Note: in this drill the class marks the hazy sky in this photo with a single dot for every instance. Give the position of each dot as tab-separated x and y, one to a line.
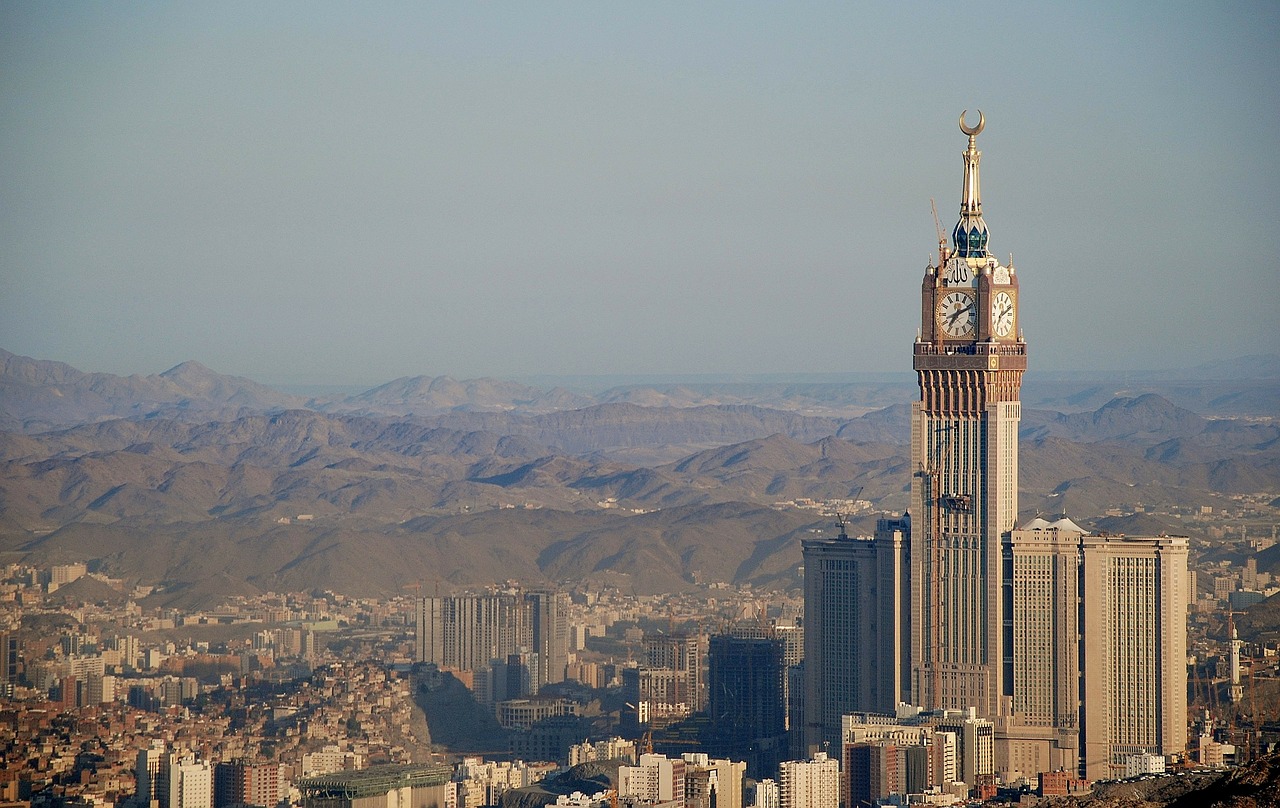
346	193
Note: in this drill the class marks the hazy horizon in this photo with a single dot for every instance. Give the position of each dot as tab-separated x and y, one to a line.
329	195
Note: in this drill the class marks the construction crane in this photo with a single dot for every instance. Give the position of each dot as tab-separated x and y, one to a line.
942	238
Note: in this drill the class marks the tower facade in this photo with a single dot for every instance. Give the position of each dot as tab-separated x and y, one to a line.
855	621
1133	607
969	358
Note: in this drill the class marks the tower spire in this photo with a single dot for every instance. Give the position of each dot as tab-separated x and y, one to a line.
970	234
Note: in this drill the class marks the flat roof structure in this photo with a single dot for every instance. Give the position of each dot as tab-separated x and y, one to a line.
372	782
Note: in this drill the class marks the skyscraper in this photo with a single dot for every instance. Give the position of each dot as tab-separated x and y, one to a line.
682	655
1042	569
747	700
969	358
1134	607
469	632
855	618
1063	650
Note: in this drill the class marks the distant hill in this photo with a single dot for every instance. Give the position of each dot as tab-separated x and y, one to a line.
39	395
201	485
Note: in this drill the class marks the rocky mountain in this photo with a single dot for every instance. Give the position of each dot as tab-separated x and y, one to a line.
425	395
203	487
37	395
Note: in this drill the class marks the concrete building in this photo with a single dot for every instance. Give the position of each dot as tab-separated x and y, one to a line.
1134	615
855	623
655	778
147	773
747	700
712	782
190	782
241	783
768	794
682	654
1041	731
469	632
814	783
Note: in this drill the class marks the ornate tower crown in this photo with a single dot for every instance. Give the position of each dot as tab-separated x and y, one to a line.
970	234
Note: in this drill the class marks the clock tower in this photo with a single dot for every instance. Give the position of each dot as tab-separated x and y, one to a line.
969	359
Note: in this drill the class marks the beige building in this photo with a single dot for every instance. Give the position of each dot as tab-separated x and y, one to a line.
810	784
1040	730
712	781
969	358
1134	621
654	779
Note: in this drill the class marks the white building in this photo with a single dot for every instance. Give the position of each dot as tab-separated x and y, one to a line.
190	782
1144	763
768	795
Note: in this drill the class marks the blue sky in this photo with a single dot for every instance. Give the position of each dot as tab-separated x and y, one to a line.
341	193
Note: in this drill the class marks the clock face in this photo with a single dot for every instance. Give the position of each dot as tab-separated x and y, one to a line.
1002	314
956	315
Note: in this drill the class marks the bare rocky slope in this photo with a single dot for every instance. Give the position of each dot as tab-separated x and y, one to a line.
197	495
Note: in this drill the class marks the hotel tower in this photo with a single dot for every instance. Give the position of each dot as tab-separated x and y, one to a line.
969	358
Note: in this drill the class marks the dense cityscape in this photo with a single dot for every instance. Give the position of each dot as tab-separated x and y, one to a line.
945	659
959	653
287	687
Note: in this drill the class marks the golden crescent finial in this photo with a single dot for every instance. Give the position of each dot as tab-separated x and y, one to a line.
972	132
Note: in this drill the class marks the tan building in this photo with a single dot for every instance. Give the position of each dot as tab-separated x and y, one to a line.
1134	596
969	358
1040	731
810	784
654	779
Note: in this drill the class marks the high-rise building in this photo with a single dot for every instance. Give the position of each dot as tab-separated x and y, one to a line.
1097	641
241	783
668	684
811	783
9	656
855	619
190	782
655	778
1134	615
712	782
147	773
1041	732
969	358
469	632
767	794
549	629
747	700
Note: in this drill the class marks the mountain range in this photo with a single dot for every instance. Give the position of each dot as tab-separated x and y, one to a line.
196	481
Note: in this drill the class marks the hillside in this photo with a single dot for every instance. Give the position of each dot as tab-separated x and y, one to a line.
659	497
